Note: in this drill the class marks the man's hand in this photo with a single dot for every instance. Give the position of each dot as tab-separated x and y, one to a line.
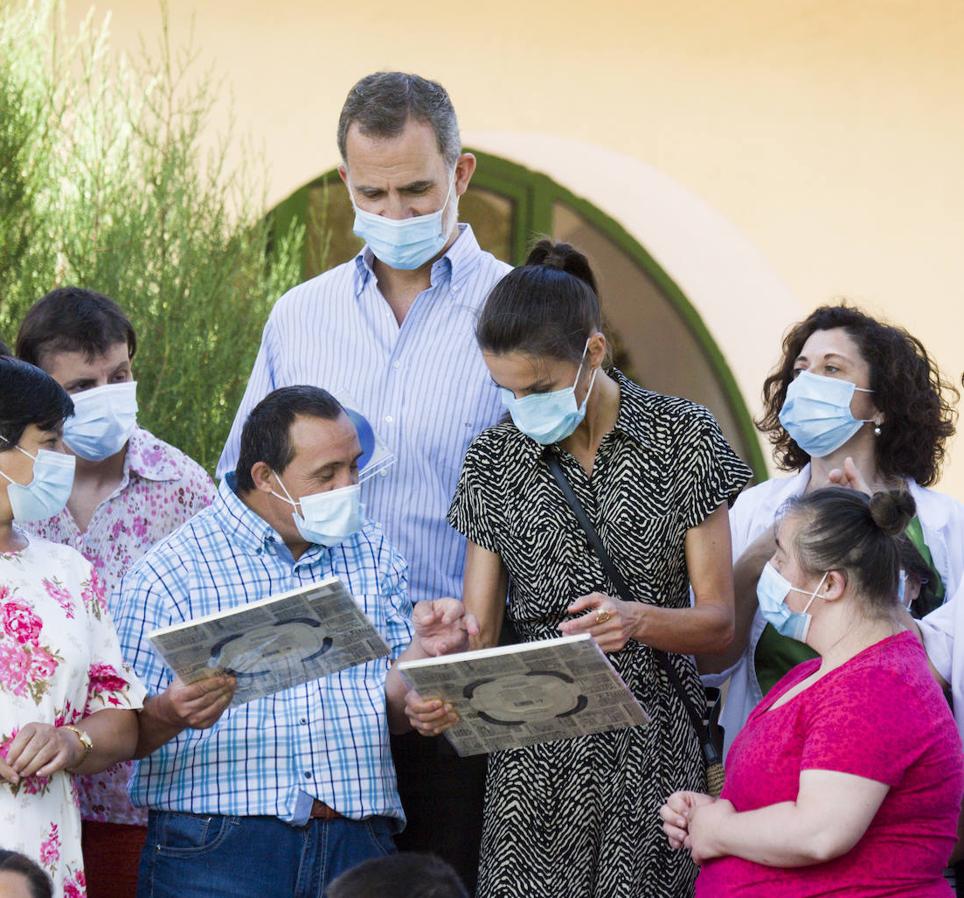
442	626
676	812
198	705
611	622
40	749
430	717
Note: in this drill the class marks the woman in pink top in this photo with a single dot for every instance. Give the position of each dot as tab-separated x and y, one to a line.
847	778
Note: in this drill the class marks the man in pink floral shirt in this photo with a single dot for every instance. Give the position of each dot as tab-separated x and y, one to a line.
130	491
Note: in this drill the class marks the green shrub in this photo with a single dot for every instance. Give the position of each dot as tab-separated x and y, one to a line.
105	183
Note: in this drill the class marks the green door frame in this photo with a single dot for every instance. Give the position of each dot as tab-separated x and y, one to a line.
533	195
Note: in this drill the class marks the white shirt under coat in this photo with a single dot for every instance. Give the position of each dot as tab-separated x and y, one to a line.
942	520
946	654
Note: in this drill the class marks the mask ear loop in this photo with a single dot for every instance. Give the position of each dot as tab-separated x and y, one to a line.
867	420
595	371
813	595
33	458
289	500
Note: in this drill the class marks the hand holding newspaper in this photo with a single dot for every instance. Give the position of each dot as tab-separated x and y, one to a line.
276	643
517	695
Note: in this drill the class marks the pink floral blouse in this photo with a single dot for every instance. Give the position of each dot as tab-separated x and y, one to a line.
160	490
59	663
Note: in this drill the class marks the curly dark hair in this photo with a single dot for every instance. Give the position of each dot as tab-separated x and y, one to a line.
917	402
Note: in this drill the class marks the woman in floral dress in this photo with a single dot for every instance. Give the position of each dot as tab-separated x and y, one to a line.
67	700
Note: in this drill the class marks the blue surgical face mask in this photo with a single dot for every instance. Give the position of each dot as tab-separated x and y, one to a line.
103	420
549	417
403	243
772	590
48	491
329	518
817	413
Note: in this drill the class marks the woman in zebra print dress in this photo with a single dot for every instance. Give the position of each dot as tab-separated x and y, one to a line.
580	817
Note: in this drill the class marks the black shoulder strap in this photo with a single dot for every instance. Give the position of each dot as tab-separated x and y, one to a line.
710	752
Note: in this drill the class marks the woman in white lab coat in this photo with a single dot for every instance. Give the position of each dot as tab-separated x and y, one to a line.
852	401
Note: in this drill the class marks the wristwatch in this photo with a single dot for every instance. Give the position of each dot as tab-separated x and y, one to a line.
85	741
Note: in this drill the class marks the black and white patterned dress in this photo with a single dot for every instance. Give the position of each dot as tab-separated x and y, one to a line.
580	818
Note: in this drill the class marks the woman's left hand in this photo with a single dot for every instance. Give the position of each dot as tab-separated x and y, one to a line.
611	622
40	749
704	826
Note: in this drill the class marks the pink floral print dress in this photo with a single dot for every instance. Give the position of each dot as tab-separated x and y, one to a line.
59	662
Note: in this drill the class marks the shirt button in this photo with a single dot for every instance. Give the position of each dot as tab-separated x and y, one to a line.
307	774
389	419
302	721
397	365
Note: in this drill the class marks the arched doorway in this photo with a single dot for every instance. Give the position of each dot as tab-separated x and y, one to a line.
660	339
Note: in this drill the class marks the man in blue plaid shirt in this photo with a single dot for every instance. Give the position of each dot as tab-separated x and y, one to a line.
278	796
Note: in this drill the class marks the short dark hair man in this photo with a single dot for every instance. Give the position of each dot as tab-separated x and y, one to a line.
131	489
394	330
298	786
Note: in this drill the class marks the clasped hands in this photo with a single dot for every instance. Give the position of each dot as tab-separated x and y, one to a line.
40	750
693	820
611	622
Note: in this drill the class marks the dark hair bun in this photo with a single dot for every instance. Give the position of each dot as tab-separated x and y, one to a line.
562	257
892	510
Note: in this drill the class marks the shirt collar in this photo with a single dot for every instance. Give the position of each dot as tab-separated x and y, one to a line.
246	528
631	418
786	488
150	458
931	507
458	263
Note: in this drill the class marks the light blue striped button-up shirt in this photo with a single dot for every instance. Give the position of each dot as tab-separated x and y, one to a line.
327	739
424	387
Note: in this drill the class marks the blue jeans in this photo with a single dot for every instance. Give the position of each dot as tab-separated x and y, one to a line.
200	856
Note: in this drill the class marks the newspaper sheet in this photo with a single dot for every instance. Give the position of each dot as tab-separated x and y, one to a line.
519	695
275	643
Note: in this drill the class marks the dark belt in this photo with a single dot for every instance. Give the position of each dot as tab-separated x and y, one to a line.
321	811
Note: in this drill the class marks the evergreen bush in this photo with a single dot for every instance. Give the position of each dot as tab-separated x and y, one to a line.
105	183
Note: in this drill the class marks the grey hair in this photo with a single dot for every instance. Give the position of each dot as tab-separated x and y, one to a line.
381	103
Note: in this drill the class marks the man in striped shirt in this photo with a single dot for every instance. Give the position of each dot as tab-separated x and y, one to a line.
394	330
279	795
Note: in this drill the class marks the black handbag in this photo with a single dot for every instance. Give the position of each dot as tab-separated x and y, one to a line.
706	724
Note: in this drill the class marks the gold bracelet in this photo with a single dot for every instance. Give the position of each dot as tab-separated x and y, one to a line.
85	741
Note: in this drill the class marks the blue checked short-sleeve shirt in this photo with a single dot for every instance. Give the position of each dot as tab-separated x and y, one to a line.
327	739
